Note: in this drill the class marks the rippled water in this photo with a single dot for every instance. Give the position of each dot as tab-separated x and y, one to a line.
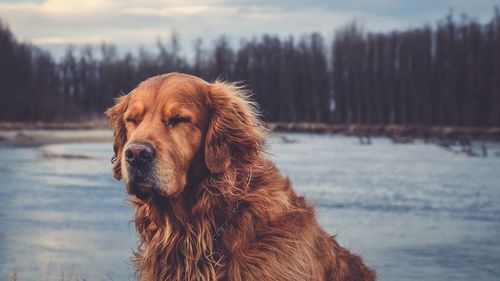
413	211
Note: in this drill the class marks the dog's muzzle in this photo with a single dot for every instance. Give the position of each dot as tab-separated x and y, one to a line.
139	157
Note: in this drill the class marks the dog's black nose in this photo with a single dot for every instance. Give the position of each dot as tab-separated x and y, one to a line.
138	154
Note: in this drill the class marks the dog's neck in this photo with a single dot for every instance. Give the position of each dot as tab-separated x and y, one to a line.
187	230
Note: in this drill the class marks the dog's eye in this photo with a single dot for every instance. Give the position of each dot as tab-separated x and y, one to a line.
132	120
178	119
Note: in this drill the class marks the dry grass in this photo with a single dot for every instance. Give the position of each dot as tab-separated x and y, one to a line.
93	123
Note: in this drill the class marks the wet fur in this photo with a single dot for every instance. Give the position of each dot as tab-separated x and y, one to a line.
273	235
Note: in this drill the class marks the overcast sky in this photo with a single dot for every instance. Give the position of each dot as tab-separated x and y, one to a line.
52	24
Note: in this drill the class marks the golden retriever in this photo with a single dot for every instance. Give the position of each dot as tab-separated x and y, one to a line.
209	205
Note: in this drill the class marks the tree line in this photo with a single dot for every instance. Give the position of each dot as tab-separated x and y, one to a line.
446	75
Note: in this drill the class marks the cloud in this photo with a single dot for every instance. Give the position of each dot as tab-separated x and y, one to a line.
133	23
67	40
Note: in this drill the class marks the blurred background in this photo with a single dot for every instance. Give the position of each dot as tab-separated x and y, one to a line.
384	113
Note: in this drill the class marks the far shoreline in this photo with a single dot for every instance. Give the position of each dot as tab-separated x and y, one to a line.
99	130
39	137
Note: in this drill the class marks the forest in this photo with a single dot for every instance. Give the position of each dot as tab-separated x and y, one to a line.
447	74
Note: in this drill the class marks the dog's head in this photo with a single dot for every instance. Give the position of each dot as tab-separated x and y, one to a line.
175	127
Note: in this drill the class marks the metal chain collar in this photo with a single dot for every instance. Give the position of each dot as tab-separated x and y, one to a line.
224	225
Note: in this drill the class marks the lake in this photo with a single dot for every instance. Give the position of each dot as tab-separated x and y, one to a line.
413	211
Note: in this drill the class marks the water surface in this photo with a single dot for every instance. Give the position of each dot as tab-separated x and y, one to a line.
413	211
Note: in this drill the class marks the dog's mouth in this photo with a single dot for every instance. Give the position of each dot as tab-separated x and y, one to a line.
141	189
147	182
140	182
142	185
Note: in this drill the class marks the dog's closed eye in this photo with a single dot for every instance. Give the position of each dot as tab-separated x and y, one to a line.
132	120
177	119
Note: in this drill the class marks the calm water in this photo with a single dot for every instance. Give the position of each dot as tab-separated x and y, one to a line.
414	211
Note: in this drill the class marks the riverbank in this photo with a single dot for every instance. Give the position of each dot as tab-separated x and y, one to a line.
98	130
35	137
396	132
90	124
40	133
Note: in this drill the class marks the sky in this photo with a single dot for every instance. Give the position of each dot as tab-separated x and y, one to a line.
53	24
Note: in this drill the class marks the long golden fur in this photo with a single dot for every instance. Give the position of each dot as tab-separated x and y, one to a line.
214	208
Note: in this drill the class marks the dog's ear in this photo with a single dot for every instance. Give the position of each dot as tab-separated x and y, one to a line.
234	135
115	115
